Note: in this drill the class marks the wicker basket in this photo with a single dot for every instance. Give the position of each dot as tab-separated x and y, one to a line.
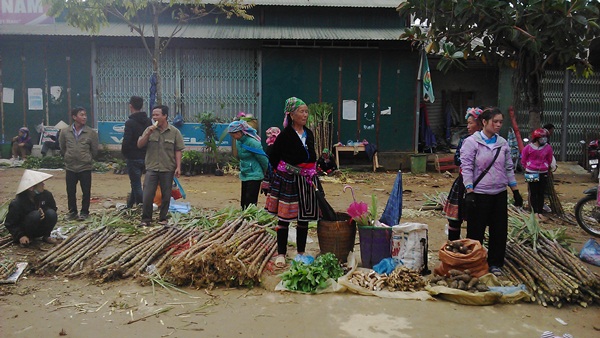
337	237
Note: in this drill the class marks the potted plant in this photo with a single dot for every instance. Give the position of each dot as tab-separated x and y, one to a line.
213	157
191	162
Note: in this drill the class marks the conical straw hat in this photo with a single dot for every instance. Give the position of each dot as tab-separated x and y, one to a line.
31	178
61	125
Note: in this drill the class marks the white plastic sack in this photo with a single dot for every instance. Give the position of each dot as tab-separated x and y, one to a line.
409	245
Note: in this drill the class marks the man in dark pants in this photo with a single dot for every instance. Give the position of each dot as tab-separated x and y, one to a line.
134	127
33	212
78	146
163	161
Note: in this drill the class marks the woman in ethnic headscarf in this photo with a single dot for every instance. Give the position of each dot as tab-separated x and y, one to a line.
292	194
454	207
21	144
253	160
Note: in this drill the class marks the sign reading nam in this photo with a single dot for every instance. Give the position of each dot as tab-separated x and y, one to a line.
111	133
24	12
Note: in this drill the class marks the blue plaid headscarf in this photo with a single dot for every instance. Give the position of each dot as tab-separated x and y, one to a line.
244	127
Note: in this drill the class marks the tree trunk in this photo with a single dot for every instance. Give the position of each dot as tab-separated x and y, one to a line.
535	120
156	56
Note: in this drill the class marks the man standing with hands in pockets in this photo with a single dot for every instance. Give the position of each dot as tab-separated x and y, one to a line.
163	161
78	146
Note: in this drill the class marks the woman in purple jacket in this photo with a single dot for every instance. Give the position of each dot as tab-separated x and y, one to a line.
537	159
487	169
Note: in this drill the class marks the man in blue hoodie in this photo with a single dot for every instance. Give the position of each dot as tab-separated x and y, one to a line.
134	127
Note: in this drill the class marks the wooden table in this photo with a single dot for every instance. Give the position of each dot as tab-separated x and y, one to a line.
354	149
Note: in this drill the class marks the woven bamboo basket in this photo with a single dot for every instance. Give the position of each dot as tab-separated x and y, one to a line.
337	237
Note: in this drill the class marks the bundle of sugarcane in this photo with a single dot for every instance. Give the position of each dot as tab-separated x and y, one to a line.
319	121
5	241
237	252
552	274
73	252
7	268
555	204
136	257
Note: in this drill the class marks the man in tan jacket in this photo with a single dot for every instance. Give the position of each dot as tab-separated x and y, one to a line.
78	146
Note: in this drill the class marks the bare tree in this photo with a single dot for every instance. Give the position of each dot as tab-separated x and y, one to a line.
143	17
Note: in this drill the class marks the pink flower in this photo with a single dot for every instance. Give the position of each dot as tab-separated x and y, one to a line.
359	211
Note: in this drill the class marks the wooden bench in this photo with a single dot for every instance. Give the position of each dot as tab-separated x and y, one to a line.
355	150
445	163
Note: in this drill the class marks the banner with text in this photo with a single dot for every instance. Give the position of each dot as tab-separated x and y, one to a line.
111	133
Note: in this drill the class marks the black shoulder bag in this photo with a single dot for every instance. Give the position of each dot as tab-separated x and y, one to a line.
483	173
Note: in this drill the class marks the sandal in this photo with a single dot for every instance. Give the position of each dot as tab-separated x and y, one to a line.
144	224
49	240
163	222
496	271
280	262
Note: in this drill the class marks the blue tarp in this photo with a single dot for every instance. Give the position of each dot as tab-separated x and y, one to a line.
393	209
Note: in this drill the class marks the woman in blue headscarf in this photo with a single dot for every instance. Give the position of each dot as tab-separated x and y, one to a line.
253	160
21	144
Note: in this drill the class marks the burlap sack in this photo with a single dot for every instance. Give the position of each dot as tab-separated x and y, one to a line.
476	261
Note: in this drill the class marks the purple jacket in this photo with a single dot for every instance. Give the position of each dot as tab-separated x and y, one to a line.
537	159
476	156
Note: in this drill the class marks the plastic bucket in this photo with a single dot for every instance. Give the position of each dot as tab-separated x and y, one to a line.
418	163
375	245
337	237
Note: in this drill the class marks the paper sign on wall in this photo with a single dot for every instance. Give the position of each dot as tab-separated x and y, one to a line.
349	110
35	98
8	95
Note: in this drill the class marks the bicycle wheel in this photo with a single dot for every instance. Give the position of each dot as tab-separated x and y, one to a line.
587	214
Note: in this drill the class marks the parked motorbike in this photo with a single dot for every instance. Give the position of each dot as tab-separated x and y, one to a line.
593	154
587	212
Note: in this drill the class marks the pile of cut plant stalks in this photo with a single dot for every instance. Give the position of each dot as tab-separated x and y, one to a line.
203	248
437	200
542	261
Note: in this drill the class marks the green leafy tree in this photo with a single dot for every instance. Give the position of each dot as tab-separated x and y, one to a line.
144	18
527	35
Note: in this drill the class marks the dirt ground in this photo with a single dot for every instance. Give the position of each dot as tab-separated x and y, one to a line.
46	306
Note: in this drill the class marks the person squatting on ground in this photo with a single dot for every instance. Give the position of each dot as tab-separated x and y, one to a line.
51	144
537	160
33	212
163	162
253	161
134	127
487	169
292	194
21	144
326	165
78	146
454	207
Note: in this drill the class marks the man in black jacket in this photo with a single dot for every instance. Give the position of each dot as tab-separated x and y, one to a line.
33	212
134	127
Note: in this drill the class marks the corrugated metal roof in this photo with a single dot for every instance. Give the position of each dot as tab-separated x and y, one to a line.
325	3
225	32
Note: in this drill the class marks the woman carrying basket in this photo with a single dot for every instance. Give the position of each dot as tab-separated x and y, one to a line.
253	161
292	194
454	207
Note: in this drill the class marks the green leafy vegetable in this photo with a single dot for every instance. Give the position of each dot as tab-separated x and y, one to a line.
312	277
